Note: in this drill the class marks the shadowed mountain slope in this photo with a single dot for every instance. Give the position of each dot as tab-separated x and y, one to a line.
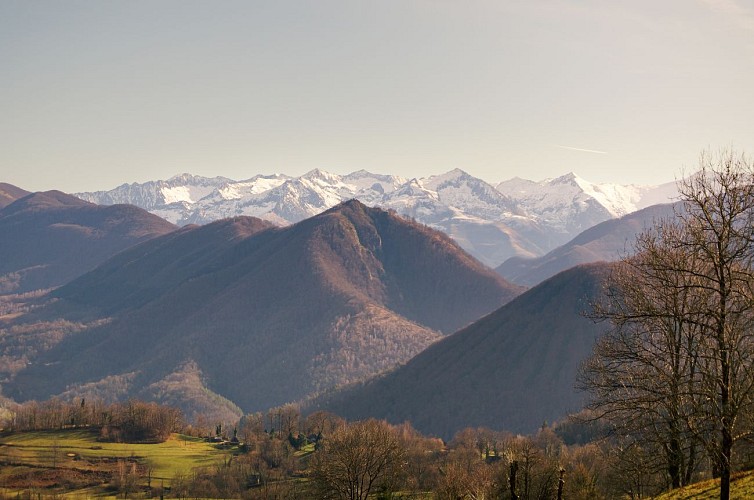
513	369
607	241
49	238
10	193
267	315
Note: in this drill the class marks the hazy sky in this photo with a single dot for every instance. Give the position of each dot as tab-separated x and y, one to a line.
94	93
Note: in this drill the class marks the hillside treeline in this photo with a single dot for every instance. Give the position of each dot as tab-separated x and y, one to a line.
368	457
284	454
131	422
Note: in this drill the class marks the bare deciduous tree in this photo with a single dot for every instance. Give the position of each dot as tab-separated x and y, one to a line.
323	423
643	371
677	366
356	459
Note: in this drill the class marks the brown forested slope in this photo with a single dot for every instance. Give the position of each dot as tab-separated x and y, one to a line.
10	193
49	238
513	369
268	315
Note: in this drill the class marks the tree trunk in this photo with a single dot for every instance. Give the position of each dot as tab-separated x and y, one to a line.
690	465
726	449
674	463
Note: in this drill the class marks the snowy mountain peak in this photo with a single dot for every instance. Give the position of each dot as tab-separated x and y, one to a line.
255	185
565	197
319	175
190	179
570	178
470	195
454	176
516	217
187	188
415	188
181	178
360	174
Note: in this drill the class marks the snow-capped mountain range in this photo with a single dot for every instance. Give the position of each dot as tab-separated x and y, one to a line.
515	218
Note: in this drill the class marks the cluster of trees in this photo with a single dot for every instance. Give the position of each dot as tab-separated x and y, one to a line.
132	421
282	454
323	456
19	302
140	422
675	373
55	414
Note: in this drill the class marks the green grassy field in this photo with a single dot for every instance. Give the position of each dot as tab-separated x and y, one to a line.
51	457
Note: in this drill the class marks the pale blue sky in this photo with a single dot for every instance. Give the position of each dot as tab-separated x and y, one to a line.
94	94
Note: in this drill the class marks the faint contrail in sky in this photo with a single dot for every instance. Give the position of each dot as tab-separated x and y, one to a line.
581	149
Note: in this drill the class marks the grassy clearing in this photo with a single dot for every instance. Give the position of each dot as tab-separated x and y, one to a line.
305	450
741	488
77	452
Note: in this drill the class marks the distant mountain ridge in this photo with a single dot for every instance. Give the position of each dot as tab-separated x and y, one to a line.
607	241
493	223
266	315
10	193
49	238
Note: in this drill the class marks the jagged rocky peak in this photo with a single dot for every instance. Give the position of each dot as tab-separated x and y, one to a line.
187	178
323	176
415	188
452	176
568	179
183	178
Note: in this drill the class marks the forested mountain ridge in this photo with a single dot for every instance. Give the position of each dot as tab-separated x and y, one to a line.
10	193
49	238
266	315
